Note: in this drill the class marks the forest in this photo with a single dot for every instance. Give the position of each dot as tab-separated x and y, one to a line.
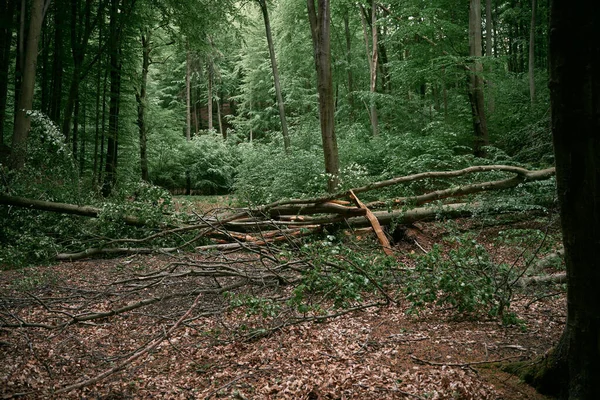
299	199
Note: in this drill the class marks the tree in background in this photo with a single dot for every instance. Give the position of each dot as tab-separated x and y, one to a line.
25	103
319	18
280	104
476	96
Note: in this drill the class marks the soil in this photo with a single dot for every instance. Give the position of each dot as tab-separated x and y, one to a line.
381	352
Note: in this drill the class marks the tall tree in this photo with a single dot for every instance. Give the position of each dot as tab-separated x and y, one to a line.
284	128
489	31
7	13
532	52
319	18
57	62
25	103
141	99
119	11
82	27
476	81
571	369
373	58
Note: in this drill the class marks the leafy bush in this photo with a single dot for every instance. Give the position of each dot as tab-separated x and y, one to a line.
463	276
207	161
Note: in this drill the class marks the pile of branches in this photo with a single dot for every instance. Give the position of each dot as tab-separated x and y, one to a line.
288	219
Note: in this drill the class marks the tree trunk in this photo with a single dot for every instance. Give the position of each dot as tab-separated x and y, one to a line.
142	102
280	104
220	118
7	11
489	31
532	52
188	110
80	32
349	62
22	122
20	57
320	32
373	58
112	145
571	370
210	73
57	64
476	82
188	95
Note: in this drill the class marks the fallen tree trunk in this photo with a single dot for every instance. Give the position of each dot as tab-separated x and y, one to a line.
525	174
63	208
283	220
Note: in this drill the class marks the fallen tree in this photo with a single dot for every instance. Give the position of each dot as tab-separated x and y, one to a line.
291	218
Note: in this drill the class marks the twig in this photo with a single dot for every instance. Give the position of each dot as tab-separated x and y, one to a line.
462	365
134	357
231	382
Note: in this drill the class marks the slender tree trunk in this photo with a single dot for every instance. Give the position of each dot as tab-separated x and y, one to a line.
75	126
188	119
45	75
112	146
373	57
80	32
188	95
532	52
20	56
476	82
320	31
7	11
142	102
103	130
489	30
350	78
210	93
57	64
280	104
22	123
570	371
82	140
220	118
97	122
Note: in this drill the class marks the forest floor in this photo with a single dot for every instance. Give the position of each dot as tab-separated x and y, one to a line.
374	353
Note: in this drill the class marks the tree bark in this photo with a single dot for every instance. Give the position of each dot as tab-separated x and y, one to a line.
57	64
7	12
489	31
112	146
63	208
532	52
22	122
280	104
476	82
373	58
571	369
210	72
188	95
81	29
142	103
350	77
320	32
188	110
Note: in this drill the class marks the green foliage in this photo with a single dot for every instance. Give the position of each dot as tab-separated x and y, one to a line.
207	160
338	274
267	173
265	307
463	275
